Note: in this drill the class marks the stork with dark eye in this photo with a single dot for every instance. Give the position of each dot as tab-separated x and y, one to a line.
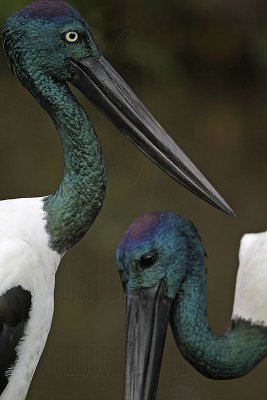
148	259
173	290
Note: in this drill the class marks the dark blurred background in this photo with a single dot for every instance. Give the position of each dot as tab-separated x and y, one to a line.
200	66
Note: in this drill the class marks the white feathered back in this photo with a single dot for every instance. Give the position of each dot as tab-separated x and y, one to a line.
250	301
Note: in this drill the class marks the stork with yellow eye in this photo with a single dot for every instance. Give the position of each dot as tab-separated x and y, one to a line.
72	37
48	44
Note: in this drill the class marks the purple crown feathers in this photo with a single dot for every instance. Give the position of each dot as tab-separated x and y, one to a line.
49	9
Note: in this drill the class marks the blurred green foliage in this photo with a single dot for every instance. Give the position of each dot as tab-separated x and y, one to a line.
200	66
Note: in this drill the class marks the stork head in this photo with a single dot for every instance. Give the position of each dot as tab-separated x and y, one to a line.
154	259
157	247
48	38
44	37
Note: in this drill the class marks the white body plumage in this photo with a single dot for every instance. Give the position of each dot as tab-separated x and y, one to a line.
251	283
26	260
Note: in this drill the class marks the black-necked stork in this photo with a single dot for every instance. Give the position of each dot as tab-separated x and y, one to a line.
161	262
48	44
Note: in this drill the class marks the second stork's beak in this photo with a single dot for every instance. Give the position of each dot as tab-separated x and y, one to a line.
147	321
104	87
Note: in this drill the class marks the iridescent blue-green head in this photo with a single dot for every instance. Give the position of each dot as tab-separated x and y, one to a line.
157	247
44	37
48	43
154	258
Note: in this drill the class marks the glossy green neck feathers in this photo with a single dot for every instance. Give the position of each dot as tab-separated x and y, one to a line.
38	52
74	206
228	356
179	263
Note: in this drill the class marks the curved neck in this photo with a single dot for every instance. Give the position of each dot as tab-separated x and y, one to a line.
75	204
232	355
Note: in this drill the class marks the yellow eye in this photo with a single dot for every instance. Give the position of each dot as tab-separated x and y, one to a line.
72	37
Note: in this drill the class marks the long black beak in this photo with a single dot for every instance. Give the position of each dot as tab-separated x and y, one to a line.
104	87
147	321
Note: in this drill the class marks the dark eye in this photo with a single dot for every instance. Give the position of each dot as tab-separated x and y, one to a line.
148	259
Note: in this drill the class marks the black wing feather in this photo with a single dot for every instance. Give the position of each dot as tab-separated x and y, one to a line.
15	305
